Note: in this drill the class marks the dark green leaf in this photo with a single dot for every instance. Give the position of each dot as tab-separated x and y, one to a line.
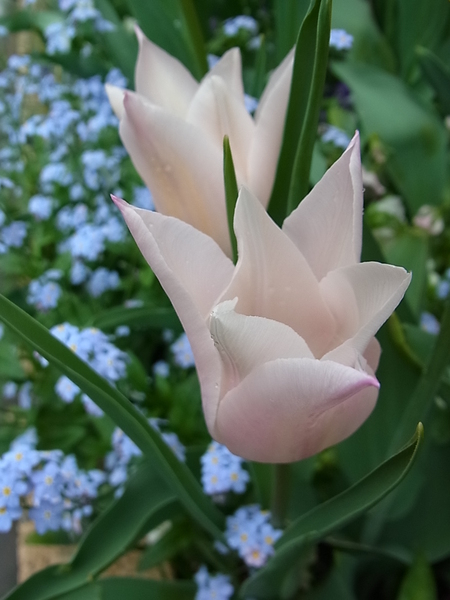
292	176
289	15
143	317
30	19
413	138
124	588
329	516
438	75
121	411
231	193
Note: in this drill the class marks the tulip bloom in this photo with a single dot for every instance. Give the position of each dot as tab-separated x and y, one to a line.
173	128
284	341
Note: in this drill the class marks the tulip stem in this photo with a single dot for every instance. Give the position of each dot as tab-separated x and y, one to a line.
231	192
281	481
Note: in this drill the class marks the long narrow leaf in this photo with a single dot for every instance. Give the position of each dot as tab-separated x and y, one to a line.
329	516
307	84
122	412
231	192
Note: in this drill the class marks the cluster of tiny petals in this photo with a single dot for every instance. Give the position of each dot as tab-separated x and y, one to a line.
251	534
94	347
222	471
60	494
212	587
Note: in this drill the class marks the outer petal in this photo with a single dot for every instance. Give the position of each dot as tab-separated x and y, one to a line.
229	69
115	97
193	271
273	280
218	112
179	164
361	298
269	119
289	409
327	225
245	343
162	79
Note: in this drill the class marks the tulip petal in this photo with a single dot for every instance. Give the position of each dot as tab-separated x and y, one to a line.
361	298
272	278
115	97
162	79
289	409
181	167
327	225
229	69
217	112
269	120
193	271
245	342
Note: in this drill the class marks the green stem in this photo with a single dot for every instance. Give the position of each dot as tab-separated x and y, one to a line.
281	482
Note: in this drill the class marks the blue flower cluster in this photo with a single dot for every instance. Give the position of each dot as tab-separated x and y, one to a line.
336	136
94	347
119	460
57	494
222	471
251	534
59	34
212	587
44	292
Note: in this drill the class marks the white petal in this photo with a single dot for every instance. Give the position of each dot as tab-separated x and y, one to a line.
115	97
162	79
269	120
193	271
179	165
273	280
289	409
327	225
218	112
361	298
229	69
245	342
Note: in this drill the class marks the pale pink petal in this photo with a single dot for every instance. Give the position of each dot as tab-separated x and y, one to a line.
115	97
245	342
193	271
269	120
327	225
180	166
289	409
229	68
162	79
273	280
217	112
361	298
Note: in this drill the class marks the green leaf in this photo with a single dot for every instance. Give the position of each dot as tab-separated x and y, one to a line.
231	193
438	75
413	138
151	317
329	516
163	22
419	583
289	15
108	538
120	44
171	543
121	588
30	19
121	411
410	250
294	163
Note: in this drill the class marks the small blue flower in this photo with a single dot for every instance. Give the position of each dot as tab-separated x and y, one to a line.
212	587
232	26
336	136
340	39
429	323
40	207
